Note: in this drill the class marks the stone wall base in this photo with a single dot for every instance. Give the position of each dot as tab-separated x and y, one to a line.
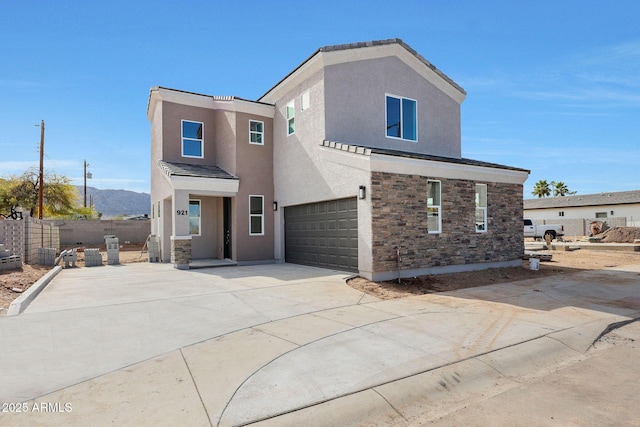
414	272
181	252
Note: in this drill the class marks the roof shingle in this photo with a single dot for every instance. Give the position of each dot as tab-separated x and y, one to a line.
195	171
367	151
611	198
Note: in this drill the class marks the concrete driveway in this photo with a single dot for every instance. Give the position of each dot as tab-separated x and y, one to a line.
145	344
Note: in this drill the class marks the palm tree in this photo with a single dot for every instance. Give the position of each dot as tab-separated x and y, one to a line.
560	189
541	189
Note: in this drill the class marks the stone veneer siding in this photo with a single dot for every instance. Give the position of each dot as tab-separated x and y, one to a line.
399	218
181	253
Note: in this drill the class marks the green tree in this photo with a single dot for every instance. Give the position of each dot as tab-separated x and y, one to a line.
541	189
60	198
560	189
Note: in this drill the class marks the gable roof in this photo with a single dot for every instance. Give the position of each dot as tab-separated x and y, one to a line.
394	41
612	198
364	45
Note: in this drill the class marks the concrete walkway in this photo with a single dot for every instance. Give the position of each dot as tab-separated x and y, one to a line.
145	344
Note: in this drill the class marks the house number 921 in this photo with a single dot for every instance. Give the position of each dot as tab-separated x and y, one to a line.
181	212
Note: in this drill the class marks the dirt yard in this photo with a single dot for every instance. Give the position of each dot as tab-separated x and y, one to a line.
561	263
14	282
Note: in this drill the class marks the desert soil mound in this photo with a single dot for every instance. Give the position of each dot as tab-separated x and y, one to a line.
620	235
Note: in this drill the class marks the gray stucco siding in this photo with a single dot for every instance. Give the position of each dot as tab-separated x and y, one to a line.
172	117
300	175
254	167
205	245
355	107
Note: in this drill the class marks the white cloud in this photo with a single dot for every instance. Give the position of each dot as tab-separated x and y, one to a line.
603	79
138	185
16	166
620	57
594	96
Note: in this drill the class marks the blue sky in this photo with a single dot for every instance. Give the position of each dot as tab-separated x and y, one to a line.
553	86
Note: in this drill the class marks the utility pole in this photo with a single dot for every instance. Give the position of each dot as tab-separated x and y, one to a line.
85	183
86	175
41	173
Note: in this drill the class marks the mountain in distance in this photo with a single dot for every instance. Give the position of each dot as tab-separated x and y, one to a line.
113	203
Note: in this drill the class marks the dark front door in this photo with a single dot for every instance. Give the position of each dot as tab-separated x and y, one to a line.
227	226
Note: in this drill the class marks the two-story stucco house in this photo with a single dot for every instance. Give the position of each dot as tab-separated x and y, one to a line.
352	158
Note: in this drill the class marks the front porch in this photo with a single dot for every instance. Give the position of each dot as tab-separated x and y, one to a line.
196	216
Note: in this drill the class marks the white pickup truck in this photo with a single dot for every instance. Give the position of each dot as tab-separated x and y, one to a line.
541	231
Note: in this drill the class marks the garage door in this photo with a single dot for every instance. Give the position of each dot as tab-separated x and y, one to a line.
323	234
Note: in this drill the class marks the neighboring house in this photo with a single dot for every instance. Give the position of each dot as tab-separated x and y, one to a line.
353	156
577	212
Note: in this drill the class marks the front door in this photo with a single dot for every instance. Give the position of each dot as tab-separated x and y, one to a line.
227	227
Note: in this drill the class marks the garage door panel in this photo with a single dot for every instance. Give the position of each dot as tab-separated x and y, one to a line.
323	234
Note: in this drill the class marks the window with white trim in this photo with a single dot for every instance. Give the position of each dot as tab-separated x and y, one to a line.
402	118
256	132
434	207
305	101
481	208
256	215
194	218
192	139
291	116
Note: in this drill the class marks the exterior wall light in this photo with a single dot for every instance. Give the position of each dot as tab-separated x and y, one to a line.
275	206
362	192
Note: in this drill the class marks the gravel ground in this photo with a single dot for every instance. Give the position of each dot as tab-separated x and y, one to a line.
561	263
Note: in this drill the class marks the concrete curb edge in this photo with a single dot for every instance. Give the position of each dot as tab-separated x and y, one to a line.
23	301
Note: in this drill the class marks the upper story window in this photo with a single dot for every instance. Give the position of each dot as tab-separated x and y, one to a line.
305	101
481	208
256	132
291	115
402	118
192	139
434	207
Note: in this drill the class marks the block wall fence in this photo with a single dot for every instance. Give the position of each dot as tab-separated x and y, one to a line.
24	236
